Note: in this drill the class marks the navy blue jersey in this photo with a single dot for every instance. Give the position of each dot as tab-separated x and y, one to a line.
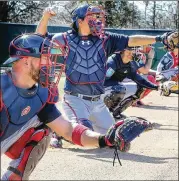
86	61
117	71
137	64
19	105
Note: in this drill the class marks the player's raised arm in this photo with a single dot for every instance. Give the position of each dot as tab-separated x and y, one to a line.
139	40
43	23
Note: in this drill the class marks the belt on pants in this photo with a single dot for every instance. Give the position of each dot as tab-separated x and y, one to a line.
85	97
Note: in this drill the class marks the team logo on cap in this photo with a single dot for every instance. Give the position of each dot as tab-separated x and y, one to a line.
25	111
18	53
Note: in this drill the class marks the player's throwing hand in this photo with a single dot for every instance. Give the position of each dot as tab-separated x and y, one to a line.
49	12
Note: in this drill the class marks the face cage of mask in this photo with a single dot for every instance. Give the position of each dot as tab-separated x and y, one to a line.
50	70
171	47
137	55
96	26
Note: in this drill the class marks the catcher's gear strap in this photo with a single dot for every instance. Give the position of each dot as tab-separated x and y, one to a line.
3	114
102	142
123	105
76	134
117	93
108	138
29	155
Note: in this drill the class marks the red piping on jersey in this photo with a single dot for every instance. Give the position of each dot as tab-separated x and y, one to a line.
70	108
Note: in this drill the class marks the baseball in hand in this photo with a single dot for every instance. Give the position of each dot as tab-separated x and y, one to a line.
49	12
52	13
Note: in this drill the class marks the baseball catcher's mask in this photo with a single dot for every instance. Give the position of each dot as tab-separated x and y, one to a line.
137	54
173	41
95	16
96	20
35	45
51	70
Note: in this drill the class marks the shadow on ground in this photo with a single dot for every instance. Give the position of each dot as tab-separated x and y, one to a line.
102	154
159	107
163	127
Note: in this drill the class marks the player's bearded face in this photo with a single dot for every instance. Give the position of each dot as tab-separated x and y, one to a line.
34	73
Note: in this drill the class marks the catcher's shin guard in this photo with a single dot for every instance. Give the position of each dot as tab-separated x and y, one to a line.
122	106
26	153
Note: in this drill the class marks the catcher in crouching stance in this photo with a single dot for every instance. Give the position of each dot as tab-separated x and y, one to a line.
25	132
167	69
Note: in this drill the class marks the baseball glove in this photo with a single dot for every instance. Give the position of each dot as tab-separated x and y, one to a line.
124	131
167	87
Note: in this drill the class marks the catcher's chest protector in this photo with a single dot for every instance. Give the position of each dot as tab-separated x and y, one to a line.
122	71
86	61
169	61
20	105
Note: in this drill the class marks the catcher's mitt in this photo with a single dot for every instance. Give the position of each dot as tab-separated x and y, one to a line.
167	87
175	78
123	132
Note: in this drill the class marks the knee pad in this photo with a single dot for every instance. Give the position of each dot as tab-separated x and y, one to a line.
87	123
116	95
123	106
31	154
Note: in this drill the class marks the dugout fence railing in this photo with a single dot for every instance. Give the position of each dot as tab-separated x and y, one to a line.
8	31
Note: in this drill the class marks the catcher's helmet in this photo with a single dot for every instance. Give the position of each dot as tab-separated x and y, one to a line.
79	13
35	45
173	40
25	45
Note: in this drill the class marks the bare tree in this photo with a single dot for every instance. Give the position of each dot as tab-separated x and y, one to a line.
154	14
21	11
120	14
63	10
161	14
3	11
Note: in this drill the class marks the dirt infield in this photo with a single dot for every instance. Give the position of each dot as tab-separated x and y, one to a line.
153	156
